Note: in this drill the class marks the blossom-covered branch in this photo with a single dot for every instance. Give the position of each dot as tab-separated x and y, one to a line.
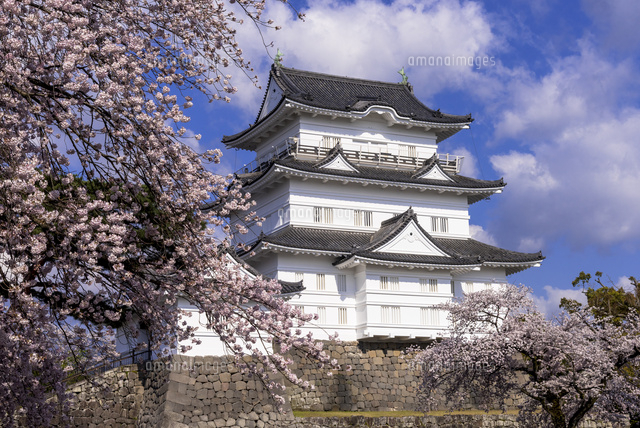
101	223
561	370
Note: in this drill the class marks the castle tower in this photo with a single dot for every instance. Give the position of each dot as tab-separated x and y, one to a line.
363	208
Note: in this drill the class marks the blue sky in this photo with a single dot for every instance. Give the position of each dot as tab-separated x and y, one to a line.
556	108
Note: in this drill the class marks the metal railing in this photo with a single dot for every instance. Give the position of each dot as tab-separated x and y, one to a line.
292	147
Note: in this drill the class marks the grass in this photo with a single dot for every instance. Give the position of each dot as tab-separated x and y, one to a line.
395	414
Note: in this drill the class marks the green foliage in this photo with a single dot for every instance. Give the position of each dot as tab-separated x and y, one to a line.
613	305
606	301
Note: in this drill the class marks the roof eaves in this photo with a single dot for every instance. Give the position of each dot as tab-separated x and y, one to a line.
256	128
357	259
266	246
398	118
401	184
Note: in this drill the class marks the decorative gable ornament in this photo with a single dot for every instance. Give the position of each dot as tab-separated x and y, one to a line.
411	240
336	160
339	163
432	171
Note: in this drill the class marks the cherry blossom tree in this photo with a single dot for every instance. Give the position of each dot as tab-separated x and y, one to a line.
100	198
562	370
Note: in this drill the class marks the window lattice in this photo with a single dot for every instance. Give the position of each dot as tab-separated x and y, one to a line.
467	287
342	316
362	218
328	142
390	314
429	316
428	285
322	315
389	283
440	224
408	151
322	215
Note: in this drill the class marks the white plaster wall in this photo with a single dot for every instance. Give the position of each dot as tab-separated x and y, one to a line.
483	279
373	129
384	203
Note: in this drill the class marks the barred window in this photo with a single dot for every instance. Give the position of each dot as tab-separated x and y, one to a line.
390	314
328	142
322	315
389	283
428	285
440	224
362	218
407	150
342	315
320	281
467	287
341	282
429	316
322	215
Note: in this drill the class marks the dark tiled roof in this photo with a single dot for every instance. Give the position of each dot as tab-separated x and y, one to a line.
317	239
462	251
291	287
347	94
350	94
486	252
412	258
381	174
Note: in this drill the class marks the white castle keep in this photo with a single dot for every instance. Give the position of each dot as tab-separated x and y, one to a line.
366	221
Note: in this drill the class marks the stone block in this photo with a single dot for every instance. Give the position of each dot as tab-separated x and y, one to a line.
181	378
178	398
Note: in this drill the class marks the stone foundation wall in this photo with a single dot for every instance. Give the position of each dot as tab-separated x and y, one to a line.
207	392
184	392
380	378
180	392
113	399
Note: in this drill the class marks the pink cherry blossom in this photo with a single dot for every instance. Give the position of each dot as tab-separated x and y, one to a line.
101	225
562	370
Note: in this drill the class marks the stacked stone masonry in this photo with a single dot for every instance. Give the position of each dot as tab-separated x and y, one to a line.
381	378
211	392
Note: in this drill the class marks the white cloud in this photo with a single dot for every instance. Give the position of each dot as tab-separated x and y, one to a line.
625	283
578	173
373	39
469	163
579	90
525	169
480	234
549	303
